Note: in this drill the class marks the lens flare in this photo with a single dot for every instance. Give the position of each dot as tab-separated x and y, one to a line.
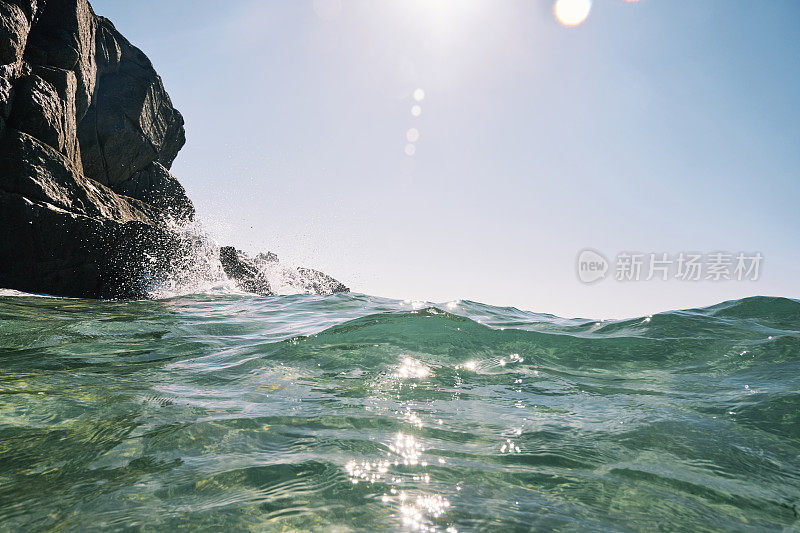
572	12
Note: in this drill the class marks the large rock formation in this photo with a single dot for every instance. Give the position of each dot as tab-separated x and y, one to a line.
87	137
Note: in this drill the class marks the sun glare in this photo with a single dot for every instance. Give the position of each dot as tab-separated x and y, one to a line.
572	12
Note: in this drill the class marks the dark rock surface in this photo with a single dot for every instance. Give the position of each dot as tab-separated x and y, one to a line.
62	35
87	137
130	122
14	28
66	234
154	185
44	107
63	228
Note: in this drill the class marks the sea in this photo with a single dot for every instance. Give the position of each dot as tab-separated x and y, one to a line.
226	411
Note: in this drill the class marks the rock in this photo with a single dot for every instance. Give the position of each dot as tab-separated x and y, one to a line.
125	118
131	122
6	100
316	282
65	232
37	172
154	185
87	136
14	28
268	257
241	269
6	96
108	47
70	235
44	107
63	36
28	7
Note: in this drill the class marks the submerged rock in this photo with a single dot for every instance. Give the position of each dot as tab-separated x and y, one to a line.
241	269
264	258
251	274
317	282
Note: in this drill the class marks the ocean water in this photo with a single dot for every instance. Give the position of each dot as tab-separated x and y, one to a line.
230	412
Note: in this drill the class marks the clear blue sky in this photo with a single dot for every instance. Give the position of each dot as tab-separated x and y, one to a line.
658	126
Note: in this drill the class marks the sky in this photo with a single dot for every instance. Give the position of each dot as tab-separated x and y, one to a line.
657	126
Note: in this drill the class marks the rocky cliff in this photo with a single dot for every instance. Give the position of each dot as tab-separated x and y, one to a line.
87	137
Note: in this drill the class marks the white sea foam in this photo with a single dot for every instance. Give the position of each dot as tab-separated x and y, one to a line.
198	270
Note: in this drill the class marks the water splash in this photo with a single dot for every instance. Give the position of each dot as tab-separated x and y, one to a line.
196	269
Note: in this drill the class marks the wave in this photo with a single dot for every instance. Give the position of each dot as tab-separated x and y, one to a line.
353	411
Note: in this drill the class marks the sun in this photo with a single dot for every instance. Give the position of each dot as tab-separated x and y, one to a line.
572	12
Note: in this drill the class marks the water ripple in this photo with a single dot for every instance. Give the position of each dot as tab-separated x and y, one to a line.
230	412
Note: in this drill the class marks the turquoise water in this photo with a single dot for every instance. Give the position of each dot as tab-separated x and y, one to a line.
349	412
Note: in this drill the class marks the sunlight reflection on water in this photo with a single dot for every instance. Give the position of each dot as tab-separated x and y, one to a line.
352	412
411	368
